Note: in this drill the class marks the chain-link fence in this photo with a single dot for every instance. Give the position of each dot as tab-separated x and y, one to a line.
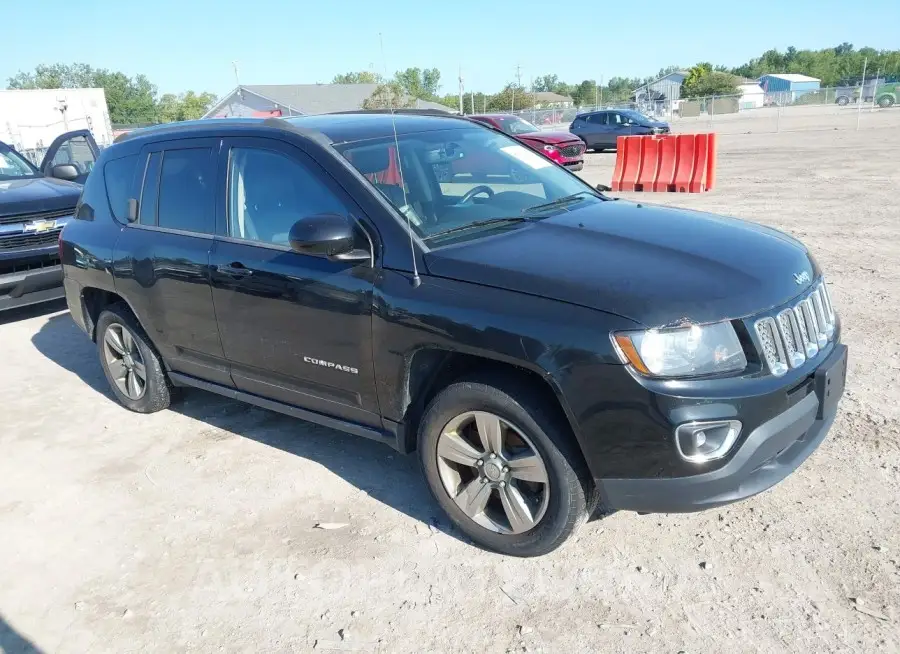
838	108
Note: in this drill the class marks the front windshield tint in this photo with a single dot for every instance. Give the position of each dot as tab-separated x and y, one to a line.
517	126
457	177
13	166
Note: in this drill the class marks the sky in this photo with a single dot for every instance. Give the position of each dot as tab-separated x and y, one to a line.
185	45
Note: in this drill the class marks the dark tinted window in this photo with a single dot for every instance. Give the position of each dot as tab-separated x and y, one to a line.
186	190
147	215
597	119
119	174
269	192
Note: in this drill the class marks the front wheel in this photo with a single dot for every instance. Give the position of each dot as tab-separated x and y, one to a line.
504	467
886	101
843	101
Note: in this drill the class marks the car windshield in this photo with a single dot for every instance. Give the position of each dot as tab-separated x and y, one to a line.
460	182
513	125
14	166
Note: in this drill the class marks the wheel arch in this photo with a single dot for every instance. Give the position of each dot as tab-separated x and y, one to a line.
93	301
430	370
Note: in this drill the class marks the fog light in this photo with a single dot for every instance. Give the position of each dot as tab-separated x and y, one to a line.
699	442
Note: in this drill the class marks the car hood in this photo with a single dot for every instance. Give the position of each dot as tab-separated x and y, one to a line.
548	137
654	265
36	195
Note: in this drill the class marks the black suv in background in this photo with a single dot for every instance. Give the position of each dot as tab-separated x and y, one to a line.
543	347
35	204
600	129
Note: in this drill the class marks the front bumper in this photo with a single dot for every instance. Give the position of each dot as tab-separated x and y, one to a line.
19	289
771	452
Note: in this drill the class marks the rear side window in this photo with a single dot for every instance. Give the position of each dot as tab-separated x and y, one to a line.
597	119
186	198
119	176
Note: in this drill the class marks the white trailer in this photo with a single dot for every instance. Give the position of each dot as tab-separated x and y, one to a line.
31	119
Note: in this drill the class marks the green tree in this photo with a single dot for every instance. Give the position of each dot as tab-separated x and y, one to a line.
131	100
362	77
512	97
186	106
418	83
389	95
830	65
545	83
703	81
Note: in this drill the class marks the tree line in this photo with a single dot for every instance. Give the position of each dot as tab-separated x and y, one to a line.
830	65
131	100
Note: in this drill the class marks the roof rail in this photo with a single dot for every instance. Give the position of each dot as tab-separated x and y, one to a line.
407	112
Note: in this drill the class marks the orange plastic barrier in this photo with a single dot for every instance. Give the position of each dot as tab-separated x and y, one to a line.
673	163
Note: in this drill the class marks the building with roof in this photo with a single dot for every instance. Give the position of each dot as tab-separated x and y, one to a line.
298	100
787	87
550	100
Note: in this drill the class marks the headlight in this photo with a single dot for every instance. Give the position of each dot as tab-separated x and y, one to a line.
682	352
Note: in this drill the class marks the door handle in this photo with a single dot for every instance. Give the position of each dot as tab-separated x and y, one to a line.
234	269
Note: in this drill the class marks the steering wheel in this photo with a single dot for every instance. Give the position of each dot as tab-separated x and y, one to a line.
472	192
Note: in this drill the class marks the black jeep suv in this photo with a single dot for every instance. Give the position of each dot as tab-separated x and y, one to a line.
35	204
543	347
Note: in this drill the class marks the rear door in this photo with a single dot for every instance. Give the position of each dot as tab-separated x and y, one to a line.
594	132
76	148
162	258
295	328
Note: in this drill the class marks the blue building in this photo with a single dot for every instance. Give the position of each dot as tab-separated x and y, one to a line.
787	87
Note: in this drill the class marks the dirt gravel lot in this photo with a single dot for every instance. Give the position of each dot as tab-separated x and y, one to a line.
193	529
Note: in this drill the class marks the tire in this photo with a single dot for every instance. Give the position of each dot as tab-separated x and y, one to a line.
886	101
597	149
557	508
843	101
118	333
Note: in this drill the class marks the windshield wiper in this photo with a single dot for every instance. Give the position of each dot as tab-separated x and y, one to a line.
477	223
559	202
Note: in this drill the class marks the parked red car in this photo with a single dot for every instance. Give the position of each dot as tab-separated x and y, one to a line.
564	148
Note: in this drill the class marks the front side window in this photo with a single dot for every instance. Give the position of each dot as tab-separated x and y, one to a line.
268	192
445	181
597	119
14	166
186	182
77	152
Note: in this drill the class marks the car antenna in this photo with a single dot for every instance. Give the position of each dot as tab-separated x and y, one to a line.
416	280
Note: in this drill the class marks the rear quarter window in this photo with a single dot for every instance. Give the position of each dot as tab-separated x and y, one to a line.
119	176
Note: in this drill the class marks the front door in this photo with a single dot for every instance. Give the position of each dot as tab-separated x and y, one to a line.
76	148
295	328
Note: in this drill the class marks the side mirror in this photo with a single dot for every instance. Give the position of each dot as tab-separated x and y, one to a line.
67	172
325	235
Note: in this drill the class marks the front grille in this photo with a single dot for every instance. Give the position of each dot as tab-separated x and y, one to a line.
572	150
16	266
797	333
25	241
31	217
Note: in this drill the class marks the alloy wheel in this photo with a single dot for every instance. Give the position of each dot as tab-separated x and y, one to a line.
124	361
493	472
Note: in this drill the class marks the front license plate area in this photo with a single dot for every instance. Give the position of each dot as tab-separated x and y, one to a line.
830	379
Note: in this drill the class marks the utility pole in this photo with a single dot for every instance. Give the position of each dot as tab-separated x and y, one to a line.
237	79
472	98
460	92
862	92
601	92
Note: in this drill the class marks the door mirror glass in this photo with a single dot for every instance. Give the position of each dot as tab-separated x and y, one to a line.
324	235
68	172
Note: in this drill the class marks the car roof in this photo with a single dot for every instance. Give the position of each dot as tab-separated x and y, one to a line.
334	128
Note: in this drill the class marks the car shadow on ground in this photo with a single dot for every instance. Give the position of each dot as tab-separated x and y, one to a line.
374	468
12	642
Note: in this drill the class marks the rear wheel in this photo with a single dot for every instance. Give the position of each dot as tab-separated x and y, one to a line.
886	101
132	367
504	468
843	101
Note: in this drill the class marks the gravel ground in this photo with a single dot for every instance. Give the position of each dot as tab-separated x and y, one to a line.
193	529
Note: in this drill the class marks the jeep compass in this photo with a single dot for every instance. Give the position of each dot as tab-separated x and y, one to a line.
542	347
